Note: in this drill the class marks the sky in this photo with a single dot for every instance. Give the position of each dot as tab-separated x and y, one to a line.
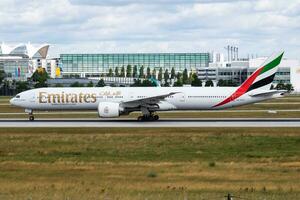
258	27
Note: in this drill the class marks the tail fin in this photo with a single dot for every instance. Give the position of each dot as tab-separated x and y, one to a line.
264	76
261	78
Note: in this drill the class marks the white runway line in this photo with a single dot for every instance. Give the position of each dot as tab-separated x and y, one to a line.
182	122
278	103
190	111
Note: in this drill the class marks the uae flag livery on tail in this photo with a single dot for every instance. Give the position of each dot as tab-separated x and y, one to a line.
261	78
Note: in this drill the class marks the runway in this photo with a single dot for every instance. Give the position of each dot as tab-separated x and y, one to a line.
166	122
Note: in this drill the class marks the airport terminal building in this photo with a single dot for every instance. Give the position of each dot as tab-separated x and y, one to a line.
96	65
205	65
20	61
239	70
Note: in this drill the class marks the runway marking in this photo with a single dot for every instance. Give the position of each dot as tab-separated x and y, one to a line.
190	111
278	103
166	122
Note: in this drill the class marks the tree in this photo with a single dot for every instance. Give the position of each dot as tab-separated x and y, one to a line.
178	76
185	77
90	84
134	74
122	72
166	76
221	83
6	88
141	73
167	84
129	71
110	72
117	72
173	73
178	83
160	74
100	83
196	82
226	83
209	83
231	83
40	77
154	73
2	75
21	86
137	83
148	72
190	77
148	83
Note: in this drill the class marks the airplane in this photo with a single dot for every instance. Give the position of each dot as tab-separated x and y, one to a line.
113	102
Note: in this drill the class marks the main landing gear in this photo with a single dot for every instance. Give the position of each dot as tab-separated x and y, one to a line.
147	115
150	117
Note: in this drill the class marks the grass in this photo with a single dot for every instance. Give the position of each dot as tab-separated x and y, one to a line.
168	163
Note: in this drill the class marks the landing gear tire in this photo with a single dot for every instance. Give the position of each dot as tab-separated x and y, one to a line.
148	118
31	118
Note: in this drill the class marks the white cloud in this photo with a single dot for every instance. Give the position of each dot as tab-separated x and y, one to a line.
259	26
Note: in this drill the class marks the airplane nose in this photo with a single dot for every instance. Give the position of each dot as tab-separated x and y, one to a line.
11	101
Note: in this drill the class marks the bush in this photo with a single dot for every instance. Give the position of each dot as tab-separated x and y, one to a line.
212	164
76	84
90	84
58	85
209	83
100	83
144	83
152	174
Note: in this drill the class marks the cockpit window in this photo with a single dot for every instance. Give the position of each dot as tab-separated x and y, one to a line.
18	97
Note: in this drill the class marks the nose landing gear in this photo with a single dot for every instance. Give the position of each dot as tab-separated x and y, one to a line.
30	112
31	118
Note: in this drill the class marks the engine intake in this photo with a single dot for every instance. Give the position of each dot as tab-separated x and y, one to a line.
109	109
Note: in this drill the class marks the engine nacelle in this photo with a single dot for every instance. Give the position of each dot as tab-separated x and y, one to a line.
109	109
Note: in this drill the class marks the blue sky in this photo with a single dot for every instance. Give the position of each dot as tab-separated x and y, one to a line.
98	26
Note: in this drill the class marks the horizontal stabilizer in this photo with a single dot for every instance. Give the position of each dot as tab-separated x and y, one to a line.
267	92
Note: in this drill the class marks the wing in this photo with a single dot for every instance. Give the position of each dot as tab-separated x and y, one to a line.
147	102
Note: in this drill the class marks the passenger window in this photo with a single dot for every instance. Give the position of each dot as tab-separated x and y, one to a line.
18	96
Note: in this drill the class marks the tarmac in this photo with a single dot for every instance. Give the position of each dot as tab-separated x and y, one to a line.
165	122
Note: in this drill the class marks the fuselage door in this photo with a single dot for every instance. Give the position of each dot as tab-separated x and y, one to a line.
131	95
33	98
182	97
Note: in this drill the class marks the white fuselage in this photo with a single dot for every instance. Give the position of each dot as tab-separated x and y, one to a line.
86	98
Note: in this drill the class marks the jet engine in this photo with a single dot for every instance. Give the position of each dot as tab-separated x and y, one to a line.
109	109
